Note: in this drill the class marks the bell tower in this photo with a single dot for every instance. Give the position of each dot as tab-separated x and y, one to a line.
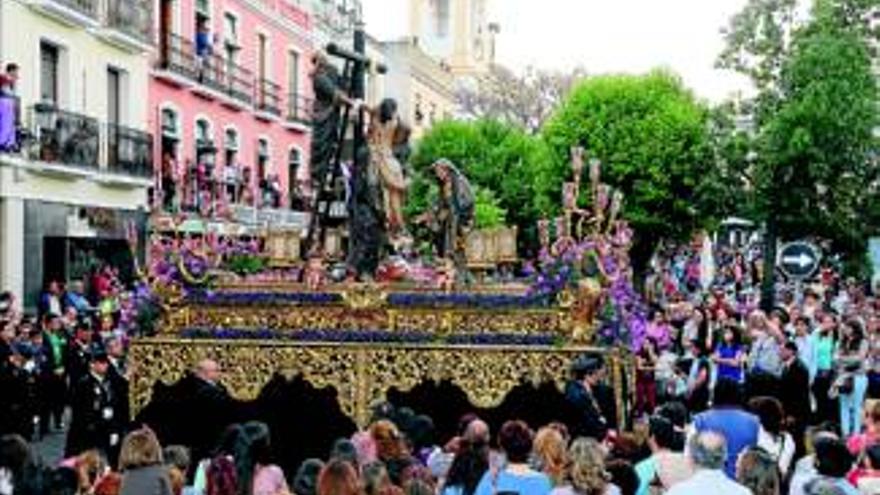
455	32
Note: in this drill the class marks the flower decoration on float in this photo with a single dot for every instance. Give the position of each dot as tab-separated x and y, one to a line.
587	267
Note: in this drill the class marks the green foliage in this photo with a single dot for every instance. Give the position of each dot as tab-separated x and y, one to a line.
498	157
487	210
813	119
245	264
653	139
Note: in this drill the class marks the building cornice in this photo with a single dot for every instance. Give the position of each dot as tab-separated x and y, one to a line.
306	36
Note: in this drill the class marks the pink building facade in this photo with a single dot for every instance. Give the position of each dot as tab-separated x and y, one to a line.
228	100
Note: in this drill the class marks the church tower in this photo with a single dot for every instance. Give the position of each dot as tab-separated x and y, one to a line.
455	32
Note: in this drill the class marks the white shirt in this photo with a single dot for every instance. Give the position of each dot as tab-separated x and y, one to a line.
780	448
708	481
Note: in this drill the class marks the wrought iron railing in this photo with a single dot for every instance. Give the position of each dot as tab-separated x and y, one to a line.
177	54
129	151
299	109
240	82
87	7
269	97
133	17
65	137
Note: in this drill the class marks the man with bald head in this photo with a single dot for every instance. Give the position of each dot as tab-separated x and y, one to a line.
208	371
210	408
707	453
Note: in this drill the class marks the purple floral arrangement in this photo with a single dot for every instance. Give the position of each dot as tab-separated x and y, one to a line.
371	336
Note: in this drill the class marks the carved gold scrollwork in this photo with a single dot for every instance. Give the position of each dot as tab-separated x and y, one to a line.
361	374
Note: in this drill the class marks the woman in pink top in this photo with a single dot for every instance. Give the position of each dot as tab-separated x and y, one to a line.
858	442
258	473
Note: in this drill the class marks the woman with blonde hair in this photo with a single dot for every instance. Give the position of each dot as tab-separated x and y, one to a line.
586	473
141	465
758	471
549	455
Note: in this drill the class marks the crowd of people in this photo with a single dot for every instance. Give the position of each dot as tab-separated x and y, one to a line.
728	398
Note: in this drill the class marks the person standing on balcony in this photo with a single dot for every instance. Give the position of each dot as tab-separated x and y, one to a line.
231	179
169	181
204	47
8	109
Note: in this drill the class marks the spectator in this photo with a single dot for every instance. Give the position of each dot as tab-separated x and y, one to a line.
776	442
141	465
306	480
727	418
586	471
708	454
852	381
867	477
794	392
757	471
730	356
338	478
515	440
582	392
256	474
667	464
832	461
95	422
375	479
178	462
468	467
549	456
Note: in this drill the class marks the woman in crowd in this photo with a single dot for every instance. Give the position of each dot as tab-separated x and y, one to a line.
549	456
823	344
698	379
852	381
256	474
586	471
776	442
338	478
757	471
730	355
140	462
305	482
646	382
391	449
515	440
468	467
375	478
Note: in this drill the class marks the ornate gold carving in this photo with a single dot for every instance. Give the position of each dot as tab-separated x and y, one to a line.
363	296
361	374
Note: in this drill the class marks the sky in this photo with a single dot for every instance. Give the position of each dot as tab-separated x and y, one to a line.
602	36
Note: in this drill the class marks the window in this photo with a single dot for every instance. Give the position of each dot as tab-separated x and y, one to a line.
49	58
293	72
114	97
418	115
205	150
230	147
203	13
295	192
230	29
441	17
169	123
262	158
432	116
262	48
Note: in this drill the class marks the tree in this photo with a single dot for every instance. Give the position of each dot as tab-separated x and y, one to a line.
652	137
497	157
813	119
525	100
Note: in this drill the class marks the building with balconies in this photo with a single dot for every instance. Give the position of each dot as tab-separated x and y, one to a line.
82	176
229	93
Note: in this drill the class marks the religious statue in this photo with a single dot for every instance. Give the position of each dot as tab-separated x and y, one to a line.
326	118
453	215
386	136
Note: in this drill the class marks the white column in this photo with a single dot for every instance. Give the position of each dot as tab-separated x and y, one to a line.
12	246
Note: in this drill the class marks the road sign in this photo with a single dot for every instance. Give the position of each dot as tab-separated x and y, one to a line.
799	260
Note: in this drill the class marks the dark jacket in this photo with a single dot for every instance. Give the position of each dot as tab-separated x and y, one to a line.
590	420
94	417
794	390
148	480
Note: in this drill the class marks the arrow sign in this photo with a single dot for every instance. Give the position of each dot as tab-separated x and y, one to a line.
799	260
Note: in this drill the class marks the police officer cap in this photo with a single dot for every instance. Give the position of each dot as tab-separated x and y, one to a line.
98	353
587	364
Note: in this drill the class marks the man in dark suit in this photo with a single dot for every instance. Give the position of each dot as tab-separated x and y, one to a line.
794	391
95	423
594	415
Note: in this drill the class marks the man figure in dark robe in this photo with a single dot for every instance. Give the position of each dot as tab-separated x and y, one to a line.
326	117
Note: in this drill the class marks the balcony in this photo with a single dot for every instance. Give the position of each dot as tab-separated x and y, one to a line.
129	152
269	98
129	24
73	13
177	60
299	112
64	138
